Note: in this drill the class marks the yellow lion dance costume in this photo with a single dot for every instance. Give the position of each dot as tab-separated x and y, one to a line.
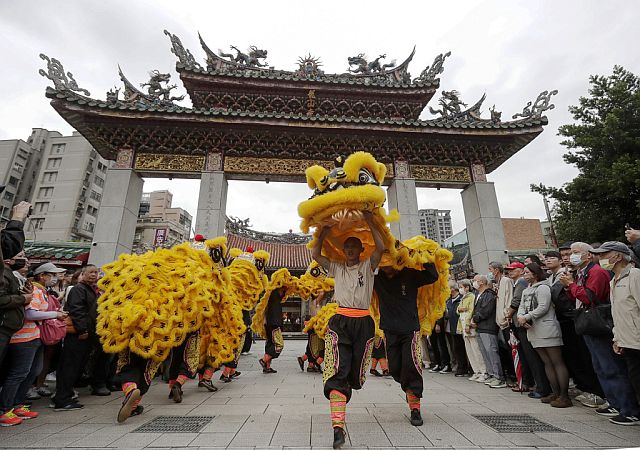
281	278
222	338
152	301
338	198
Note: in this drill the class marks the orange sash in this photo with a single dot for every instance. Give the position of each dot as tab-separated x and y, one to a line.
352	312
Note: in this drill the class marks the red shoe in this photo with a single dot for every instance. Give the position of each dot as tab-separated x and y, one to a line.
9	419
25	413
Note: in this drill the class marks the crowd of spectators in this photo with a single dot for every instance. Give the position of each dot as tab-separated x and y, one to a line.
563	327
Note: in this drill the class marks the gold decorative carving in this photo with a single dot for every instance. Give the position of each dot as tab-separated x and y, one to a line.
124	159
274	166
311	102
441	173
169	163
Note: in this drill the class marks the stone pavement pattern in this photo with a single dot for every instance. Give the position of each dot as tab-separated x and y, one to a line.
287	410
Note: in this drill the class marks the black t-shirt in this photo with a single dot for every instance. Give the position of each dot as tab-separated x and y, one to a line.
398	298
274	309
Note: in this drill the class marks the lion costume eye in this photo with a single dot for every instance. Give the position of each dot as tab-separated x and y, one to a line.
259	264
365	177
315	272
216	255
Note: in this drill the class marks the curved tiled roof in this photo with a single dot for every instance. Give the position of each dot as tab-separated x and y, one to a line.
463	121
291	256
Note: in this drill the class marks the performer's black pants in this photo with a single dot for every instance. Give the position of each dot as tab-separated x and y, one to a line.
274	344
379	351
135	369
315	348
348	345
182	357
405	357
233	364
248	340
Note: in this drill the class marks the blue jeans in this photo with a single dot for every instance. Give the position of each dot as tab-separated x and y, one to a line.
612	373
24	364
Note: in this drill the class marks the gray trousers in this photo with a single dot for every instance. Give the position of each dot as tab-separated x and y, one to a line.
489	349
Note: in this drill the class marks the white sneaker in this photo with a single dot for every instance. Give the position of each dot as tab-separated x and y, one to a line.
484	378
497	384
591	400
32	394
474	377
51	377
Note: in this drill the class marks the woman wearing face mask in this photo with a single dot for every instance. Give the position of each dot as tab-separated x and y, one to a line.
465	310
24	356
536	313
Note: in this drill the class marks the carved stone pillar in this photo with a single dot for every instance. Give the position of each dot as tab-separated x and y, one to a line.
484	225
402	196
118	213
212	202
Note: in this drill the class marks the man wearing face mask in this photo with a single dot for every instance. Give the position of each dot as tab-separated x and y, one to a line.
592	287
504	289
625	309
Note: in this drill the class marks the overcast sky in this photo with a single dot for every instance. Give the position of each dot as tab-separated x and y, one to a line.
512	50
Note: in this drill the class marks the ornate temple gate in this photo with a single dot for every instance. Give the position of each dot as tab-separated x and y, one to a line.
253	122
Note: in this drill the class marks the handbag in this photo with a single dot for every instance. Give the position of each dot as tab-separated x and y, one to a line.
52	331
595	319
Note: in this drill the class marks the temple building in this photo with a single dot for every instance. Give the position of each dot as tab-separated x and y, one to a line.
250	121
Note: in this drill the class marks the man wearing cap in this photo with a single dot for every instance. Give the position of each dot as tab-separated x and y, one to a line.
574	351
83	311
625	308
592	287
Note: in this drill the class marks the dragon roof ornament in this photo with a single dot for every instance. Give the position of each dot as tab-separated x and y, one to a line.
157	94
542	104
242	228
61	81
184	56
430	73
451	110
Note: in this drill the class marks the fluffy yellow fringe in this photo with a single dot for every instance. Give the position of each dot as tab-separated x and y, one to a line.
320	321
280	278
314	281
152	301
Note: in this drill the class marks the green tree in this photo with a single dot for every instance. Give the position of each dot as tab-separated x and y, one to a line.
604	144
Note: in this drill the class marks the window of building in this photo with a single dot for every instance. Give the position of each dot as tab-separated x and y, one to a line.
45	192
41	207
92	211
58	149
50	177
18	167
38	224
88	226
8	196
54	163
99	181
94	195
102	167
13	181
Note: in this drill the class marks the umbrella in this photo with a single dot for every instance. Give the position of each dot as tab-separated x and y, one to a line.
516	358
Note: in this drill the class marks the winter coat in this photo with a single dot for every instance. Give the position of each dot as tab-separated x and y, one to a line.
537	308
11	303
484	312
625	308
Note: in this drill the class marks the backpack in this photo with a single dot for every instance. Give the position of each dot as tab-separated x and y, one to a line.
52	331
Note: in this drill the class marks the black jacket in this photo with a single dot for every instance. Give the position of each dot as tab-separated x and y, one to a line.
82	306
398	298
12	239
11	303
484	312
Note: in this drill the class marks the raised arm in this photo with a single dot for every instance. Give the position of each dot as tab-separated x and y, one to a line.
377	238
316	253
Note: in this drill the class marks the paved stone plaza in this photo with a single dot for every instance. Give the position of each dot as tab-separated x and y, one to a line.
288	410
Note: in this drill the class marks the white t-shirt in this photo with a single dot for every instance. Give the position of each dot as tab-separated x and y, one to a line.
354	284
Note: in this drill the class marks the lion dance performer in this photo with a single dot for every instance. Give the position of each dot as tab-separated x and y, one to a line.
410	294
379	356
267	321
153	303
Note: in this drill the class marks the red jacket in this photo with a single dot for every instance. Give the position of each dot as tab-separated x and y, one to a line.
596	286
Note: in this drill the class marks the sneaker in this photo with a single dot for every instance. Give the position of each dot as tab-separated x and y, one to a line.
562	402
591	400
622	420
75	395
68	407
136	412
497	384
263	364
24	412
416	418
44	391
9	419
535	394
208	385
227	379
483	378
32	394
338	437
301	363
607	411
488	381
436	368
460	374
269	370
446	369
127	405
50	377
474	377
176	393
375	373
101	391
